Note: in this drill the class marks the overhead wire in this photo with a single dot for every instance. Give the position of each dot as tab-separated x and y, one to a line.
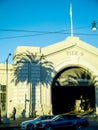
18	30
44	32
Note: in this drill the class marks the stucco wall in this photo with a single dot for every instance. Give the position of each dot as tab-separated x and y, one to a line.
33	91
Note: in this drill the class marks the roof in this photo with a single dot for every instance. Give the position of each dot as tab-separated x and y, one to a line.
67	43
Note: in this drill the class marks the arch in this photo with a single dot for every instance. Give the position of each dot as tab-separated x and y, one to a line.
70	62
65	96
75	61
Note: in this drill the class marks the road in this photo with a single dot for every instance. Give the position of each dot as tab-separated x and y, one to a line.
93	125
90	127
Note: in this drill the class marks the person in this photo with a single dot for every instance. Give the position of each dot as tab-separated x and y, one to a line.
82	105
14	113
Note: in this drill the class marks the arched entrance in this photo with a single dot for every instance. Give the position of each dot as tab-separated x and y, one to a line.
73	90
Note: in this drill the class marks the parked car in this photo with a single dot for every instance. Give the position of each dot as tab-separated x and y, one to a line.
61	122
30	124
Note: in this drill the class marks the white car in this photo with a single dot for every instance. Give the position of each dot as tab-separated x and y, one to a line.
30	124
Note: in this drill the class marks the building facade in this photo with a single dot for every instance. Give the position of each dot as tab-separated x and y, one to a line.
41	78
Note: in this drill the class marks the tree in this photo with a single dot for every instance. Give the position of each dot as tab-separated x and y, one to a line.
28	57
82	78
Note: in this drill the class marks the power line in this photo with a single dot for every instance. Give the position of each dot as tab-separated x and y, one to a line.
44	32
18	30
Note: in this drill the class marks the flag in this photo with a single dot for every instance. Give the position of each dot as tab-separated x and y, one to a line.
70	10
71	23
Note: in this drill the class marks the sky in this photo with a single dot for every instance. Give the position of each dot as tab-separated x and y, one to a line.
44	22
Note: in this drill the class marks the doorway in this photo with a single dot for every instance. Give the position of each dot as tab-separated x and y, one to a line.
73	95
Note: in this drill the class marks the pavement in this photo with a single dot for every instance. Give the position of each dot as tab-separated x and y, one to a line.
13	123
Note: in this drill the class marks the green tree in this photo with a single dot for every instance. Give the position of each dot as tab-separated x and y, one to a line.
81	78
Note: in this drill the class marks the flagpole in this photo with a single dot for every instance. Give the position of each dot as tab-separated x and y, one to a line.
71	22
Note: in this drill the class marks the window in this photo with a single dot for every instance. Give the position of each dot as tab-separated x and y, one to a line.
3	97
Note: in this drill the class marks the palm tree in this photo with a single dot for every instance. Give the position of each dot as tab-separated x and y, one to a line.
81	77
22	60
28	57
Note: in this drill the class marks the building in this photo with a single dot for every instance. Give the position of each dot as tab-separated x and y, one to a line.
58	78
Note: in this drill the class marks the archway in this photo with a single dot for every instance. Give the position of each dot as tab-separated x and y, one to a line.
73	90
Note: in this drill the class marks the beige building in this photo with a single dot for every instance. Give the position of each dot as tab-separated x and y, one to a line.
58	78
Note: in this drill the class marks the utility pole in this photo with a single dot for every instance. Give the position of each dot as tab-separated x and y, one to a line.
7	83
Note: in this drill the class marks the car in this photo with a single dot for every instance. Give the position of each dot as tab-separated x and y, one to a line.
62	121
30	124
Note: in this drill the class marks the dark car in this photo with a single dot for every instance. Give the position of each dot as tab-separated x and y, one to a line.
61	122
30	124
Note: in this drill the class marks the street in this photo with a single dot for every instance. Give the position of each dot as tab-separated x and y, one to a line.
93	124
90	127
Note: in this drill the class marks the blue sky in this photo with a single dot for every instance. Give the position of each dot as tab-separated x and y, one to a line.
44	22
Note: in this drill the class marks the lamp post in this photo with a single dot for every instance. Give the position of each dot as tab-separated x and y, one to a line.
94	27
7	82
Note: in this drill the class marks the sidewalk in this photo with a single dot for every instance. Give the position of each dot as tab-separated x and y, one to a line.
13	123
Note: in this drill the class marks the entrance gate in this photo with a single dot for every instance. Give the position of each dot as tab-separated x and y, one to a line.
73	94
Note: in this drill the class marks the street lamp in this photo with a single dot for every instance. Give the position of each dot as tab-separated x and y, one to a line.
7	82
94	28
